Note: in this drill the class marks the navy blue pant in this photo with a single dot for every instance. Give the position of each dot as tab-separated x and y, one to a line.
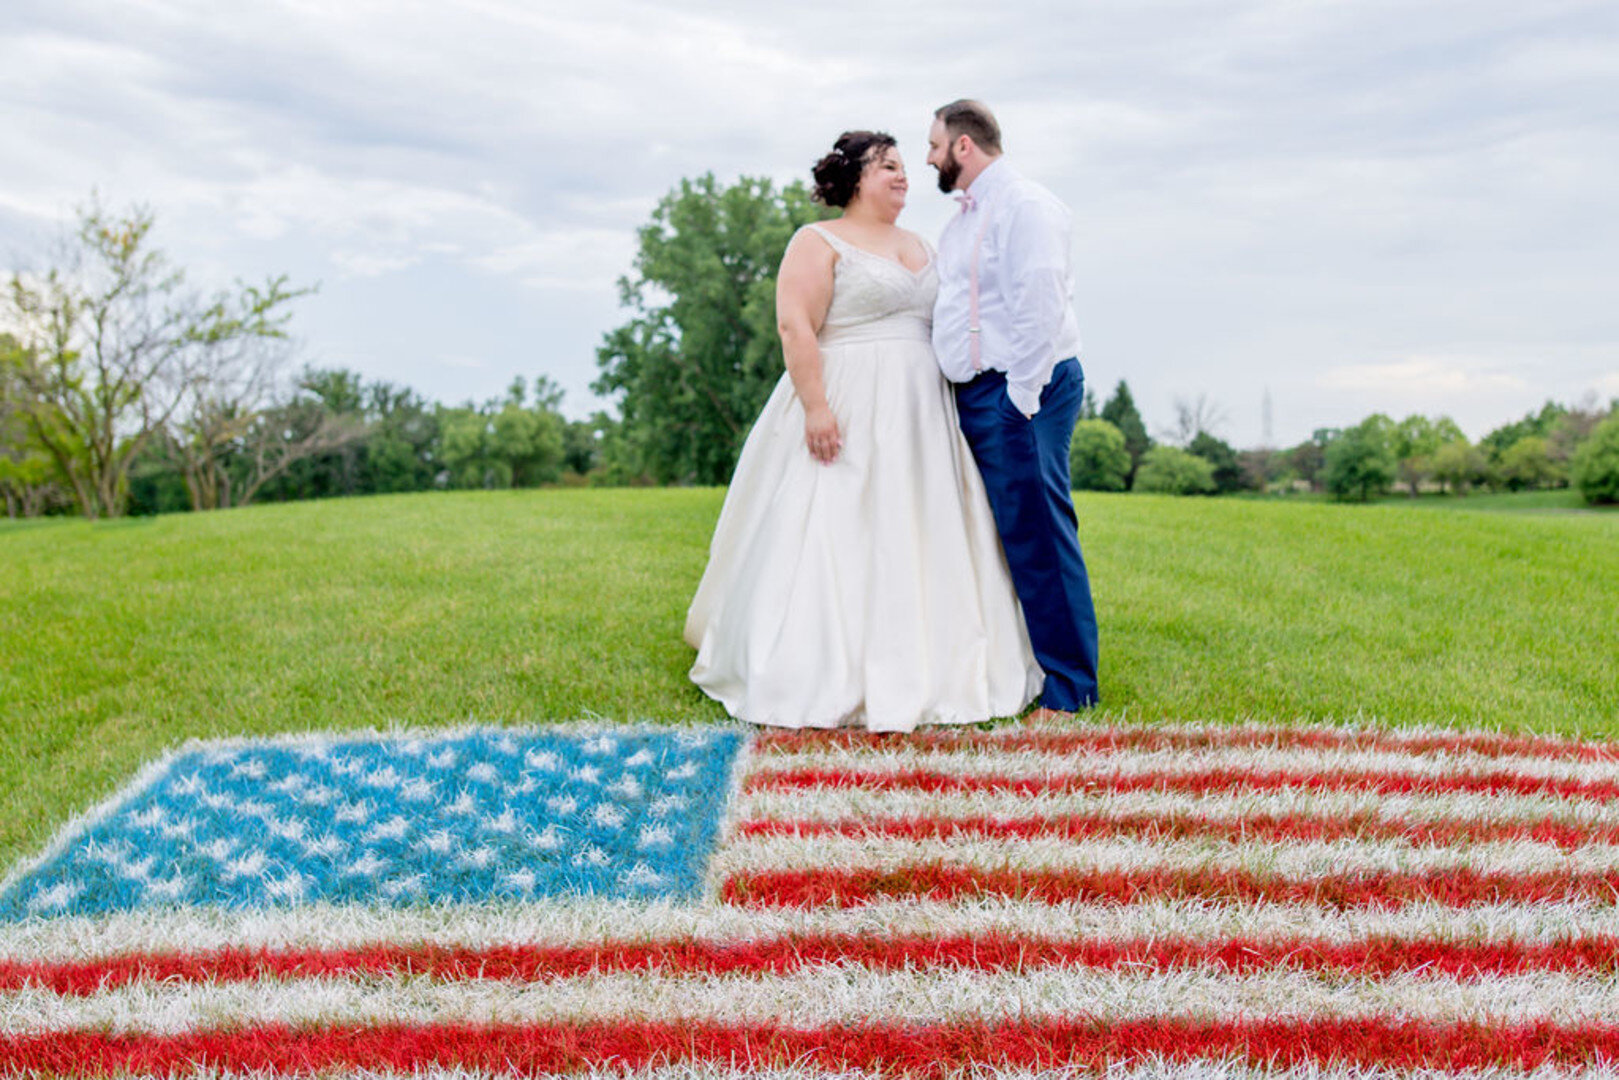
1025	468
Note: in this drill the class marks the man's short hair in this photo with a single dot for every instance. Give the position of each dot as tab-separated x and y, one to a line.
974	120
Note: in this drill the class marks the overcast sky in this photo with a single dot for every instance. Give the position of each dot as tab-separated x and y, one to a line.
1355	205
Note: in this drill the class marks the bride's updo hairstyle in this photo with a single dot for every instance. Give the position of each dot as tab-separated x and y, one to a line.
838	174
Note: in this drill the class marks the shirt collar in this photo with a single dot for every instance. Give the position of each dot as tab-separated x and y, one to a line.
995	175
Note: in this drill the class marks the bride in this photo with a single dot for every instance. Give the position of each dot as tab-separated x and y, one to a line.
855	576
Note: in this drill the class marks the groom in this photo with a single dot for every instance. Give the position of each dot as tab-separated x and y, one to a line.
1006	336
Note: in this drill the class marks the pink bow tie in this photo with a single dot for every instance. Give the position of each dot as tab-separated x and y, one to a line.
967	201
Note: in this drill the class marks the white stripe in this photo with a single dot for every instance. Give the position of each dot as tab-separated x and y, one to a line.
819	994
196	930
760	854
854	804
987	759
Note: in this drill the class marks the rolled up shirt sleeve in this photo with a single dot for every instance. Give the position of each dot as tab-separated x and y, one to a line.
1037	275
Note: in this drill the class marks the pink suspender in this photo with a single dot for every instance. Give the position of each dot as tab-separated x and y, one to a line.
974	331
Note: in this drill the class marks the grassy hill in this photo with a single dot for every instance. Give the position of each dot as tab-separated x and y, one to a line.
122	639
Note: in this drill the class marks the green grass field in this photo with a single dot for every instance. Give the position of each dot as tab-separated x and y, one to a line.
123	639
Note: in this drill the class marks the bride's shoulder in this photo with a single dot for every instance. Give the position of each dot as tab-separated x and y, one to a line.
818	238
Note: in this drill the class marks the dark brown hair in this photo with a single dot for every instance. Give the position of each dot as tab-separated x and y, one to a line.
974	120
837	175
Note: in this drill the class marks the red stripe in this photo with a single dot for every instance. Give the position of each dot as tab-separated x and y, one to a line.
1201	781
777	955
1113	740
1454	888
1181	825
914	1050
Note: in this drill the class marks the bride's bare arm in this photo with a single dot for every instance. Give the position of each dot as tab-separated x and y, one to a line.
803	293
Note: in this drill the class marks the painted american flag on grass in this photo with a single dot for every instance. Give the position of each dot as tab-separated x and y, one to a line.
1146	900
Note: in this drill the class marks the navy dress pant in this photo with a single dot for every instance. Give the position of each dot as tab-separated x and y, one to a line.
1025	468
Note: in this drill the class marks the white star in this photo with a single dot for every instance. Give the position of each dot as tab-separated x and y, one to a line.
250	865
656	836
610	816
505	823
190	784
367	865
667	804
172	889
643	876
385	777
593	855
641	757
479	858
586	774
56	897
543	760
625	787
218	850
151	818
601	744
287	828
290	784
528	785
410	884
484	773
549	840
395	828
417	790
353	813
325	847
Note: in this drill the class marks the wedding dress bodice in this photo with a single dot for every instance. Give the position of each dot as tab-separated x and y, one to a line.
874	296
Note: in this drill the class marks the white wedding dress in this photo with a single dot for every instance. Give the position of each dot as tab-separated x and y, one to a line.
871	591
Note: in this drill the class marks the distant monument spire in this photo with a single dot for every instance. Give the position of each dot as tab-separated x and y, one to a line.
1265	420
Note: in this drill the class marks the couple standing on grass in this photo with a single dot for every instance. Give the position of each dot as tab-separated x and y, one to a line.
898	544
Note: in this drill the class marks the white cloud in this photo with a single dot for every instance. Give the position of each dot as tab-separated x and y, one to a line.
1424	377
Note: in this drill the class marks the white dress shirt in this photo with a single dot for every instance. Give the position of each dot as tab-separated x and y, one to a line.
1026	320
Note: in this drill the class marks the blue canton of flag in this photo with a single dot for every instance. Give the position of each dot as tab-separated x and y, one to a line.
465	817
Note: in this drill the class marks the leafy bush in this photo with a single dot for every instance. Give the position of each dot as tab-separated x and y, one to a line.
1527	464
1459	464
1169	470
1596	462
1097	457
1360	462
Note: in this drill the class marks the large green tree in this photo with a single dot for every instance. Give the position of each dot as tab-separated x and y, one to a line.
1360	462
1120	411
694	365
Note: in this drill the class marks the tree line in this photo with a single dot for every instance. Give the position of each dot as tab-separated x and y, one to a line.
123	390
1555	446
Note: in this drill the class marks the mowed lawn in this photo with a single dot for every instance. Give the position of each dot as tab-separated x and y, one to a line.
120	640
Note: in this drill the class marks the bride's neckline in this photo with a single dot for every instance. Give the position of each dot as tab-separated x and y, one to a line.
829	234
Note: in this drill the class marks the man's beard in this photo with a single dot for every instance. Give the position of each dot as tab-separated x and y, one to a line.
949	172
